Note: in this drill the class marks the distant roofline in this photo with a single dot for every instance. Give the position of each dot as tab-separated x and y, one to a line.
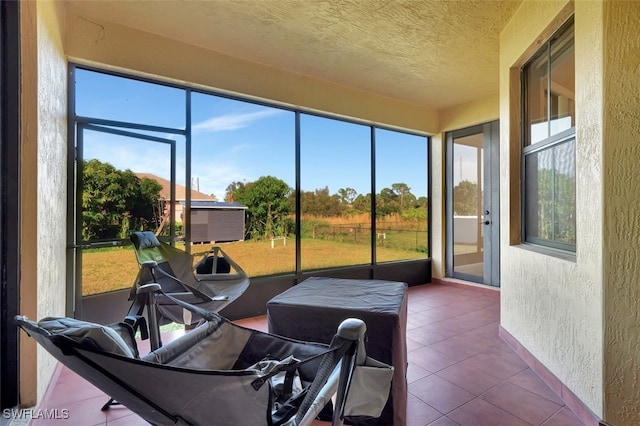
181	190
216	205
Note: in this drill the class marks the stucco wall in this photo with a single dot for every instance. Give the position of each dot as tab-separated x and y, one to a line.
476	112
551	305
106	44
51	173
622	207
28	199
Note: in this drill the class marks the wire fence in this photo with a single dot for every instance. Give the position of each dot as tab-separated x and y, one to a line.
390	237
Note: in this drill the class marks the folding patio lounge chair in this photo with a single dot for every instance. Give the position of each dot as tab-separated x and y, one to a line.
220	373
212	283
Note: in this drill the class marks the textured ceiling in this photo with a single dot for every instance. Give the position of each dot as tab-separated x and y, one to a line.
434	53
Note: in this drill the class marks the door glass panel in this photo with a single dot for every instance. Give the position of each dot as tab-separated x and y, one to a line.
468	217
335	159
401	196
120	195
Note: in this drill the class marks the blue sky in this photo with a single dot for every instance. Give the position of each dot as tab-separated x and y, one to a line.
240	141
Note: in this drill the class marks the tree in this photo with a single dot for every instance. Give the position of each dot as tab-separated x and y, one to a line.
403	193
115	201
555	196
267	206
347	195
362	203
233	191
465	198
321	203
387	202
149	206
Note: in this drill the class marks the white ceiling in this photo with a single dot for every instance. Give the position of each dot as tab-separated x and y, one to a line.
435	53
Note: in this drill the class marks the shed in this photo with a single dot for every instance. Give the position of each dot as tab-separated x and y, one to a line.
217	221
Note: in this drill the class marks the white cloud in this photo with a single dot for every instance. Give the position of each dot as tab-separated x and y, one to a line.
216	179
215	163
233	121
139	156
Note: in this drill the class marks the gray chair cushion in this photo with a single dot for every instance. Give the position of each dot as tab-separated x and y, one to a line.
90	335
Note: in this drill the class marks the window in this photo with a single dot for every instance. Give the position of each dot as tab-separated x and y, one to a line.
549	166
335	171
245	153
401	196
285	191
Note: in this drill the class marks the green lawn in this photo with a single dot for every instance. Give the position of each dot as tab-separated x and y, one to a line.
115	268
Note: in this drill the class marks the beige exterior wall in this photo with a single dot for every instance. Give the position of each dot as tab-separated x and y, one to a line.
477	112
106	44
458	117
551	305
44	173
621	214
28	199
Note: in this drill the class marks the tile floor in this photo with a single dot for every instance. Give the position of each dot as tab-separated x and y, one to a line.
460	372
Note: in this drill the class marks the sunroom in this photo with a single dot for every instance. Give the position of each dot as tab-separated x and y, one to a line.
482	143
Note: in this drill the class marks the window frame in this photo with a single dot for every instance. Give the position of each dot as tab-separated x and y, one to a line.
374	262
550	142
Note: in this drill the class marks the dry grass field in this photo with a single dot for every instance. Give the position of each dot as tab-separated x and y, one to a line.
115	268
